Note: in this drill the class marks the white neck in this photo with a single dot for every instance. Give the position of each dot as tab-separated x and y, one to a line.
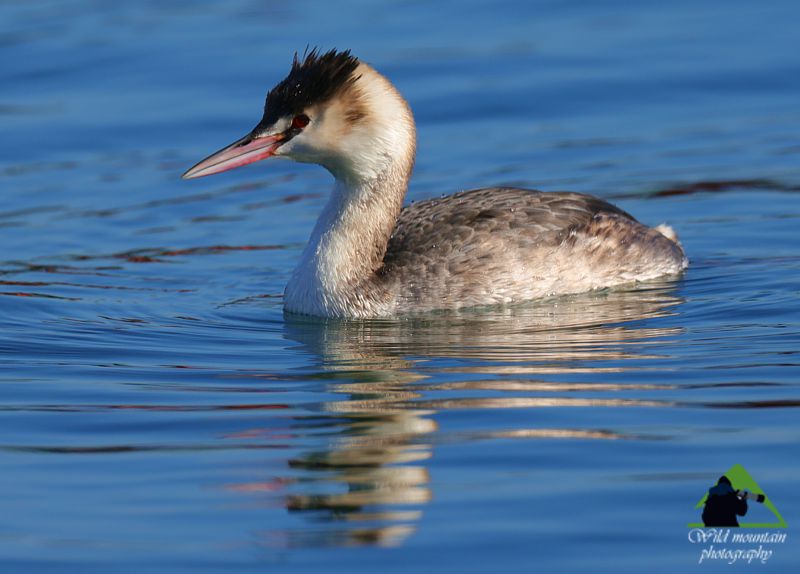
336	274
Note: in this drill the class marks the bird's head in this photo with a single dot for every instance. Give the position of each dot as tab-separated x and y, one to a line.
331	110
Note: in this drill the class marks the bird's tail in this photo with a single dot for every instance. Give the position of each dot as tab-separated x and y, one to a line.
668	232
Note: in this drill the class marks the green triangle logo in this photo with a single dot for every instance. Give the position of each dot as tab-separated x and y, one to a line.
741	480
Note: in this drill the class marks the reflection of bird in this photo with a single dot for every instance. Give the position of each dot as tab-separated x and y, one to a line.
361	475
369	257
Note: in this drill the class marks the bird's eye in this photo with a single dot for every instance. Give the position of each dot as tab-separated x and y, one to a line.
300	121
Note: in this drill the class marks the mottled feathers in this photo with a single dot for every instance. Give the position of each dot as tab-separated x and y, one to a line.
499	245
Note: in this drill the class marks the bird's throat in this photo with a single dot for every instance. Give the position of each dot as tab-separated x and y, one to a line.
337	270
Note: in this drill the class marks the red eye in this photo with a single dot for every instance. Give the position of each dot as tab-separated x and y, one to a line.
300	121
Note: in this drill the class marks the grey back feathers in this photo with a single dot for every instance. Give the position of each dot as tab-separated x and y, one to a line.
313	79
499	245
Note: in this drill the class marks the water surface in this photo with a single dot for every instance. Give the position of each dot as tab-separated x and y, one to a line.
157	409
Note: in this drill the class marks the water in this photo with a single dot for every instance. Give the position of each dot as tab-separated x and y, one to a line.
157	410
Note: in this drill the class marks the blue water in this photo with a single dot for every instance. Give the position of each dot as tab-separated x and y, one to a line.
159	413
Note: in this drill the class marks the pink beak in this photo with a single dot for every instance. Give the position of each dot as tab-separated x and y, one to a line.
249	149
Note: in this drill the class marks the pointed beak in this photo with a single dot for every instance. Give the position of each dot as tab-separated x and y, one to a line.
249	149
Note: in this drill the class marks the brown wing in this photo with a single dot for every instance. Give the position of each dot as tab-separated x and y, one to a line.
491	217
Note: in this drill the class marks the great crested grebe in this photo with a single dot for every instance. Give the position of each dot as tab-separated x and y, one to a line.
369	257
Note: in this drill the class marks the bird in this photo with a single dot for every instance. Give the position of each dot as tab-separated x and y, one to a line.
369	256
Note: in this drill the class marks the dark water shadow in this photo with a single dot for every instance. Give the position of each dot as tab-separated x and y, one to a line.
711	186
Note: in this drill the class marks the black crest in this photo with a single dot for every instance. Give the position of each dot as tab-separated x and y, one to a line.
312	80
